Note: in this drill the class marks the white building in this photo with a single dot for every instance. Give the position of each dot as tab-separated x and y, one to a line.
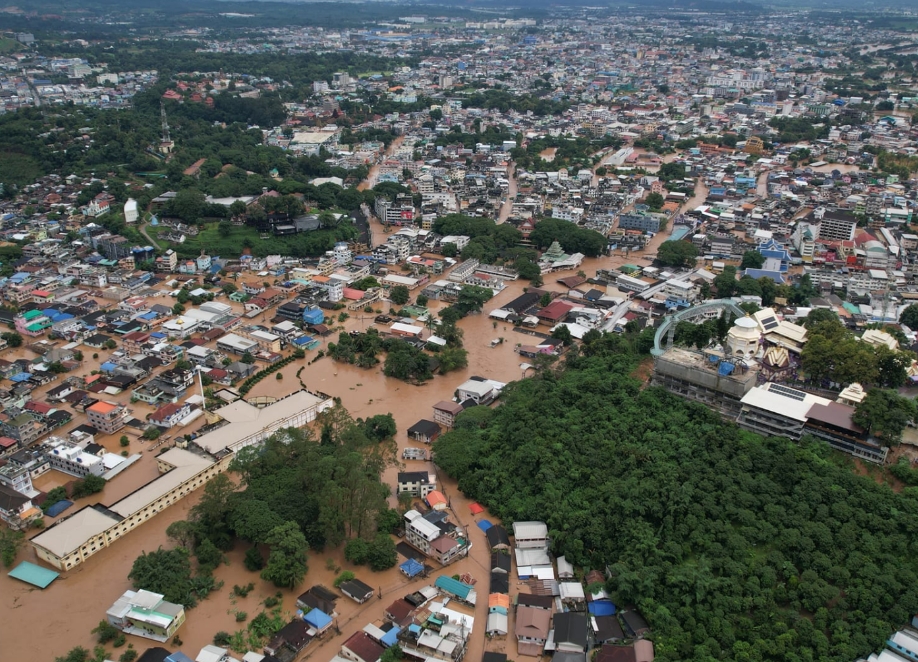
131	213
71	459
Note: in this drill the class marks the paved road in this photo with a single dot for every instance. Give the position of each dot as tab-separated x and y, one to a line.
507	207
143	231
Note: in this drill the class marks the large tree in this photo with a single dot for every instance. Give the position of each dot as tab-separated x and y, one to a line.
677	254
188	205
399	295
909	317
166	571
885	414
287	562
752	260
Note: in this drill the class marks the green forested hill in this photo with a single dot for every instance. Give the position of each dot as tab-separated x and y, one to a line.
734	547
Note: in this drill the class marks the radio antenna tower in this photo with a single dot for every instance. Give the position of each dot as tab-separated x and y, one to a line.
162	113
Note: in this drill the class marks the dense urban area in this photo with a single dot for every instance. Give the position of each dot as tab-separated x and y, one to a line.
374	332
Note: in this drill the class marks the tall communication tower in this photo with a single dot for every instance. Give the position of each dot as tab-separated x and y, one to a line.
166	145
162	113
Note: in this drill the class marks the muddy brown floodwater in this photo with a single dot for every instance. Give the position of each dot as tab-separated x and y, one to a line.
38	625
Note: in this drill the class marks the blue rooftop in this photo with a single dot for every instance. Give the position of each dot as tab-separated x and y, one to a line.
58	508
317	619
601	608
765	273
33	574
390	638
412	567
21	377
453	586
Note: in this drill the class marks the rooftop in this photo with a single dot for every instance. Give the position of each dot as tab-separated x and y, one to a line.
247	420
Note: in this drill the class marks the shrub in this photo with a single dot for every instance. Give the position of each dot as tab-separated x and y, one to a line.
243	591
345	576
106	632
222	639
253	560
241	616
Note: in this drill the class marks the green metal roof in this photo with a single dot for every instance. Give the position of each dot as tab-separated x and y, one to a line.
33	574
453	586
851	308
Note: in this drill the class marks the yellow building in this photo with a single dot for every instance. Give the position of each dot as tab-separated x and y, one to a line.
754	145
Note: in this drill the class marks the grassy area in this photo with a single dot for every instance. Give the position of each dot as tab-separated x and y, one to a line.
18	168
8	45
212	242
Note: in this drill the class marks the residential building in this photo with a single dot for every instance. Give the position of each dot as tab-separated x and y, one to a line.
834	225
16	509
420	533
24	428
146	614
424	431
107	417
643	221
445	413
356	590
359	647
415	483
571	632
170	415
530	535
531	630
479	392
71	459
18	478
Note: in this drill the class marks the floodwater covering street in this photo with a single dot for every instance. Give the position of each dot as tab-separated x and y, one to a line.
74	604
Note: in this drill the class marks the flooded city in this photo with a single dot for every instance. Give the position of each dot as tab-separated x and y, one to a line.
88	590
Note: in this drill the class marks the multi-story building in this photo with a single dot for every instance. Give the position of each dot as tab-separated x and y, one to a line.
420	533
415	483
167	262
681	290
445	412
107	417
645	222
19	479
113	246
263	339
16	509
24	427
834	225
32	323
71	459
146	614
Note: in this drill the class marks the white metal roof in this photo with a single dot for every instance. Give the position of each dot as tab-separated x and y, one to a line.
527	530
764	397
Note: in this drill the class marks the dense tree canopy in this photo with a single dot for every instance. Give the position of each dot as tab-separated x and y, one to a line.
572	237
733	546
169	572
677	254
832	354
